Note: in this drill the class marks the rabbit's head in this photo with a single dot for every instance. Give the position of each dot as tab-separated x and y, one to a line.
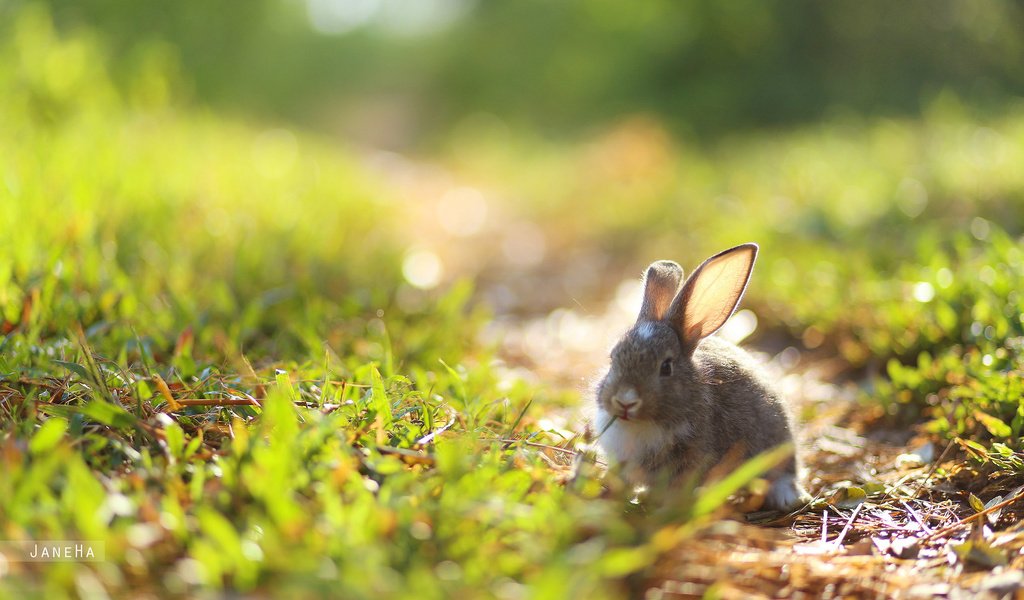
652	376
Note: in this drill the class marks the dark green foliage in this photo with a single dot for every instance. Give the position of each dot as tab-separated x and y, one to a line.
704	67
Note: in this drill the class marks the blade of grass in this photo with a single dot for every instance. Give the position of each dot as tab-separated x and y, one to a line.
716	494
379	396
96	375
512	430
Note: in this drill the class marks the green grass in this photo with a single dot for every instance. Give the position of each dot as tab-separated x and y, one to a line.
145	240
968	376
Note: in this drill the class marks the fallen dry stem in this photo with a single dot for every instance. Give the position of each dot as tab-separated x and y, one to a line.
217	402
947	530
568	451
165	391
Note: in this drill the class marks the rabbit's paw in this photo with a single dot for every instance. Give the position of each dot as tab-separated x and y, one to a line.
785	494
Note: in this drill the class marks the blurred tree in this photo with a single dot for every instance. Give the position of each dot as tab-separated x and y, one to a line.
715	66
411	68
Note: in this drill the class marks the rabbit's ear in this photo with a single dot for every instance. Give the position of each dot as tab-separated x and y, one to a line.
660	285
710	295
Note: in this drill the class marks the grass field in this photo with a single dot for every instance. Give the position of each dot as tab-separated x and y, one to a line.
249	361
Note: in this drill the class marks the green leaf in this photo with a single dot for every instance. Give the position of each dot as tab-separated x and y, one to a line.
60	410
280	417
995	426
975	503
512	430
848	497
874	488
980	553
48	436
619	562
379	397
175	439
218	529
384	465
284	383
457	383
108	414
1018	420
75	368
978	451
193	446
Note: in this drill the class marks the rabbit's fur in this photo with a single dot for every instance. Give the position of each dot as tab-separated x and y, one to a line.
711	402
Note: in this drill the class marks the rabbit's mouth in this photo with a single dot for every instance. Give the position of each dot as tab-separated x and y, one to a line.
625	412
626	403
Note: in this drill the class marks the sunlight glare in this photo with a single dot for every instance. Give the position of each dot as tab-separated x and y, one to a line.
739	326
924	292
422	269
628	296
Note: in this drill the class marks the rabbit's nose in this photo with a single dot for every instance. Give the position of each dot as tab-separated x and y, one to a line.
625	401
624	406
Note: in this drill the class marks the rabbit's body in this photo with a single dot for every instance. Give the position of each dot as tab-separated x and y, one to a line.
684	402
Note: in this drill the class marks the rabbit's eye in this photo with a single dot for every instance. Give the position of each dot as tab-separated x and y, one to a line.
666	367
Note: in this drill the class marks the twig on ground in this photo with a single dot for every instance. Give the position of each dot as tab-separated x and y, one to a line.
917	518
853	517
935	467
409	455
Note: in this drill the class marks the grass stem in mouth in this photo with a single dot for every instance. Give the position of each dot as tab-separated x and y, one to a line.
606	427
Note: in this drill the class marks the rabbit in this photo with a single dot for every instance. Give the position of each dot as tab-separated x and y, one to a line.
676	402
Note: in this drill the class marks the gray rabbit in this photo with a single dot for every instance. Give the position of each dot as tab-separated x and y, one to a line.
682	401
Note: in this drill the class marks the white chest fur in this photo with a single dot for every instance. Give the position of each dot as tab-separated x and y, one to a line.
629	443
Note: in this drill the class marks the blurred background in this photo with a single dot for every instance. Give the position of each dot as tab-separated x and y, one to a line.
409	74
545	151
